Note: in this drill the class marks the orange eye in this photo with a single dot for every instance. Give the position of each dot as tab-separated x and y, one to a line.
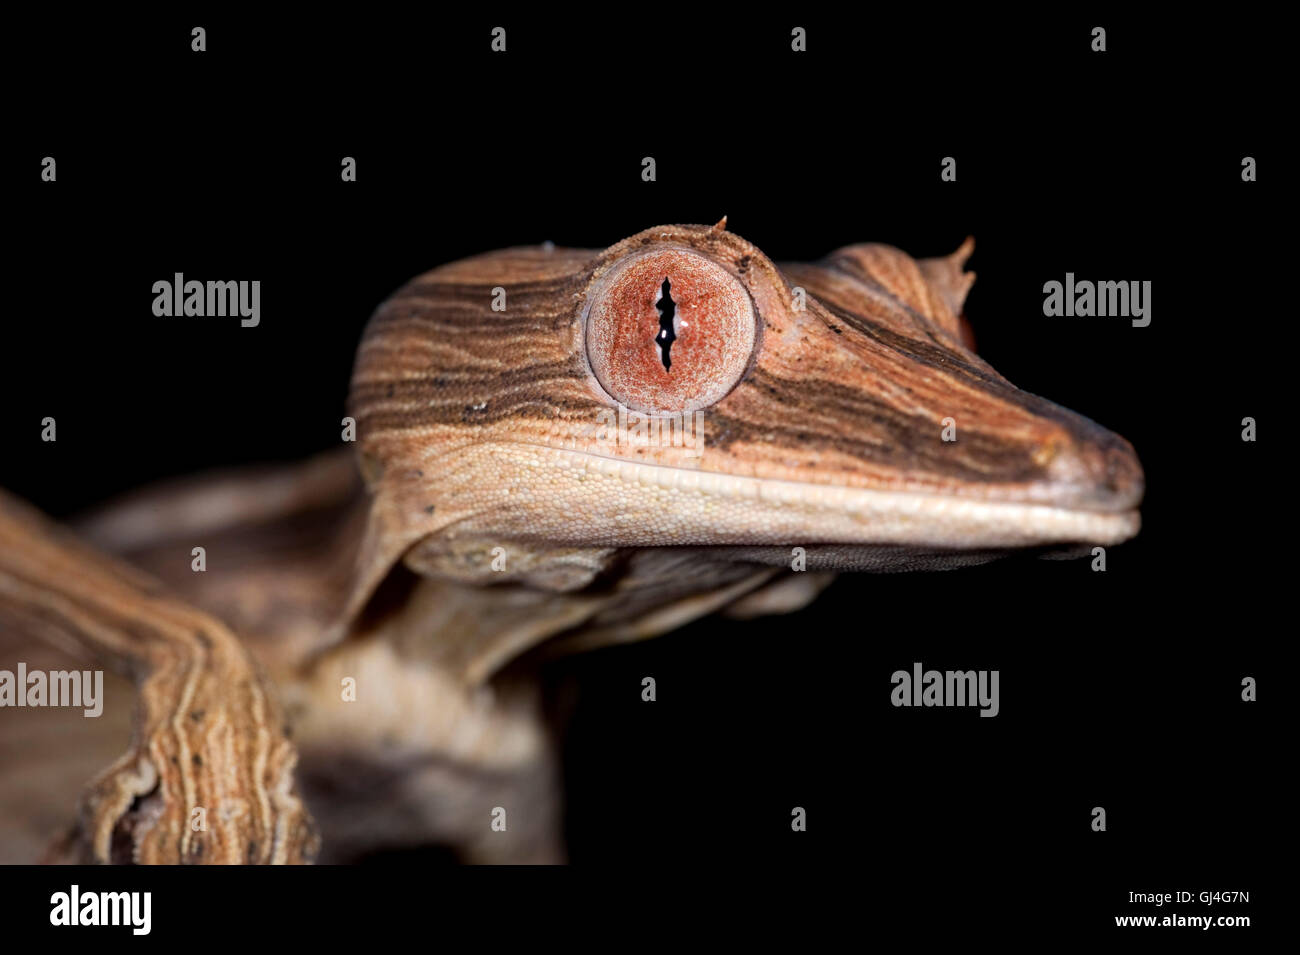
669	331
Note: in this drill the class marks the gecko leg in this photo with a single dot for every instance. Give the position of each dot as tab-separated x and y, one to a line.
209	775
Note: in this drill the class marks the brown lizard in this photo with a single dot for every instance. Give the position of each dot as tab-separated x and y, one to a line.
558	449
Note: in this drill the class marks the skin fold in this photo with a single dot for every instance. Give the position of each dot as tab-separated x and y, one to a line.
506	501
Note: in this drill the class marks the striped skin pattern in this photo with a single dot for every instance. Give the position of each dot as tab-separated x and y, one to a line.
476	427
500	525
208	732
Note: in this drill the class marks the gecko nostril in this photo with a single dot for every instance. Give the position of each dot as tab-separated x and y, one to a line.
667	334
1124	472
1096	469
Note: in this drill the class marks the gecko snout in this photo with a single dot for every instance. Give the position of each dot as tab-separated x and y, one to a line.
1095	469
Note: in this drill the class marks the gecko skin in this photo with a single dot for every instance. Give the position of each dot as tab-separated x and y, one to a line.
477	426
496	523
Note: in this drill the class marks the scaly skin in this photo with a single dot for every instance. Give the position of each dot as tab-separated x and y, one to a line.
499	524
478	429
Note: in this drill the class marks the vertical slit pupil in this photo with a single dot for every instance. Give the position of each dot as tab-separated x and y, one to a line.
667	309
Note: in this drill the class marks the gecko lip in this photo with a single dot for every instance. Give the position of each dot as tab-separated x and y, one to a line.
629	503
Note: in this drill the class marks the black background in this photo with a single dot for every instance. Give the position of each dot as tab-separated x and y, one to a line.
1119	690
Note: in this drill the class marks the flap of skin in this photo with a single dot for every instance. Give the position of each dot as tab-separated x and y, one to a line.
945	274
932	289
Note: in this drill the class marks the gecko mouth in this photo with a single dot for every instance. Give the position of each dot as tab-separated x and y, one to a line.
593	499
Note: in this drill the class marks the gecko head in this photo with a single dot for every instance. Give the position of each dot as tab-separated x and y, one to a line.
681	390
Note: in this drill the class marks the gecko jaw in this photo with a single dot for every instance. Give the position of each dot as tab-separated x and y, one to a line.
596	500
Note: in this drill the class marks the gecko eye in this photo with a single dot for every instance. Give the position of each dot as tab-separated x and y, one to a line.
669	331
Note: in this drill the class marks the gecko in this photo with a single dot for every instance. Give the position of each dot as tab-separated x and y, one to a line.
357	666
